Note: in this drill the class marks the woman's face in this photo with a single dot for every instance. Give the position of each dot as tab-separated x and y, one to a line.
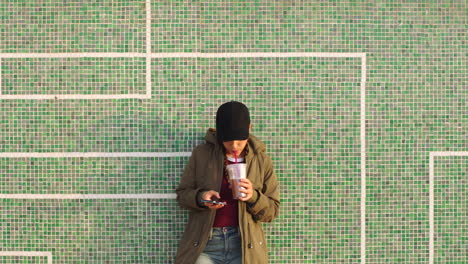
236	146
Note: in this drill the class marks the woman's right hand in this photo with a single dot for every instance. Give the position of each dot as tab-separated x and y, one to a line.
210	196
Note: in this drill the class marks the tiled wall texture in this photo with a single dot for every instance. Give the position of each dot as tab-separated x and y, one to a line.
362	104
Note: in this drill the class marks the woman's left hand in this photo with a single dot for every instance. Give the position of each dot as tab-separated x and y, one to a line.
248	189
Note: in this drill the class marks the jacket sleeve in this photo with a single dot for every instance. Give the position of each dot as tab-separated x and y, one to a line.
188	190
264	205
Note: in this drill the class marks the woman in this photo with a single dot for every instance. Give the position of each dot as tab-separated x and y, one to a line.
229	232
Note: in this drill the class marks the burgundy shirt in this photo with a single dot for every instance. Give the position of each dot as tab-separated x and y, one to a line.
229	214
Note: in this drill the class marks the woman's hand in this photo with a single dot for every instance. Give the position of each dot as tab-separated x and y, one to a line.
248	189
211	196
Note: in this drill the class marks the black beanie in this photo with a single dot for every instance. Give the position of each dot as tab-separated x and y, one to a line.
232	122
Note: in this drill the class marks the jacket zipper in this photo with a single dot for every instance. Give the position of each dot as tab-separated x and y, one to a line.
248	159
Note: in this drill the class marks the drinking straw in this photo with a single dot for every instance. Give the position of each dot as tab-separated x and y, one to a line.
235	156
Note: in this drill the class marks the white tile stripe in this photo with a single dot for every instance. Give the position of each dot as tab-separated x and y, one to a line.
148	55
186	55
65	55
90	155
93	154
28	254
88	196
432	156
74	97
363	157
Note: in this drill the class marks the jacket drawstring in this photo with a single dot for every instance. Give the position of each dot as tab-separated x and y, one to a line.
210	236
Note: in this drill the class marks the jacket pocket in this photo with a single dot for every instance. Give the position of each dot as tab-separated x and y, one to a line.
193	231
256	236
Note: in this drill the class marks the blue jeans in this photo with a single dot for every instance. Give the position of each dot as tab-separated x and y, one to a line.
224	247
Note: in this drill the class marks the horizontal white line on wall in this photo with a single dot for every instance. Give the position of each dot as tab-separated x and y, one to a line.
448	154
149	56
74	96
94	154
87	196
186	55
27	254
91	155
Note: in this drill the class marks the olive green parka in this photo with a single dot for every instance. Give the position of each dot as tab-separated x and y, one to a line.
204	172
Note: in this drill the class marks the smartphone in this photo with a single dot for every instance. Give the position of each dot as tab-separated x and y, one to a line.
214	202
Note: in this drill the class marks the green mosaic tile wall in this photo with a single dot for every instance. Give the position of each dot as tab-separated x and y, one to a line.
450	209
163	91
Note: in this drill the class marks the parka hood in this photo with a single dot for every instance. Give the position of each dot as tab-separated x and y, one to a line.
254	143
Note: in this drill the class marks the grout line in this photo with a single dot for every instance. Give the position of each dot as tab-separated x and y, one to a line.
432	156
